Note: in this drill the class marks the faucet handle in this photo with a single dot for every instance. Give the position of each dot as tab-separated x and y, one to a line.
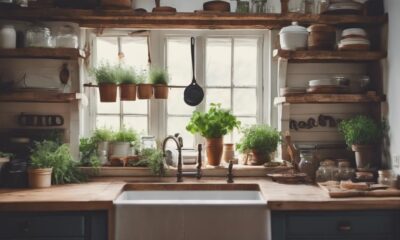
199	161
230	172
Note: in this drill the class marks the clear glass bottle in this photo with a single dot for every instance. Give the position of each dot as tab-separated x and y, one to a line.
297	6
38	36
66	37
259	6
327	171
243	6
306	164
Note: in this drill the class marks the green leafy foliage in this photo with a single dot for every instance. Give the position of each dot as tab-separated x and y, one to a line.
6	155
215	123
153	159
102	135
126	135
126	75
88	150
261	138
142	77
360	130
105	73
159	76
49	154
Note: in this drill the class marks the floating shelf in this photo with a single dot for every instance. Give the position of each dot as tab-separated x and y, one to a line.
44	53
330	56
330	98
41	97
203	20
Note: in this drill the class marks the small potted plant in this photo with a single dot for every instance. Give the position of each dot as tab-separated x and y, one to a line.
145	90
101	138
41	165
127	83
261	141
362	134
107	80
159	78
213	125
123	141
5	158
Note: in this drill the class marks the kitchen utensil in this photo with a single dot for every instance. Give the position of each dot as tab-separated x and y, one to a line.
193	94
8	37
218	6
335	191
293	37
321	37
293	153
167	9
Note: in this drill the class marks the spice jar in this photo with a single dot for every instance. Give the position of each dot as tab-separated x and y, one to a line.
327	171
306	164
345	172
66	37
259	6
8	37
38	36
388	178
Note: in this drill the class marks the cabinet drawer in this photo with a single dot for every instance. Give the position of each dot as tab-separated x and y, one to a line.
346	223
42	225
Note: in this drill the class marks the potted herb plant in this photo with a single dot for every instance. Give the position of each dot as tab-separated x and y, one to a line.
261	141
153	159
213	125
362	134
101	138
145	90
123	141
127	83
52	163
159	78
107	80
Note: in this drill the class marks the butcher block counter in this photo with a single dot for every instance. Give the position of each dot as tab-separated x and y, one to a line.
100	193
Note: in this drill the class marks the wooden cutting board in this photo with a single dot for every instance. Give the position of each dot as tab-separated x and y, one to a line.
335	191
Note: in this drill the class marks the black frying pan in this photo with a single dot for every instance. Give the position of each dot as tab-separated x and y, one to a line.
193	94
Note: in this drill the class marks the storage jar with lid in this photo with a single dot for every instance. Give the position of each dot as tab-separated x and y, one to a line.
321	37
8	37
293	37
306	164
327	171
345	172
66	37
38	36
388	178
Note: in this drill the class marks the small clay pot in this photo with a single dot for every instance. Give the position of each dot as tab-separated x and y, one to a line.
160	91
214	148
39	178
365	156
145	91
259	158
127	92
108	92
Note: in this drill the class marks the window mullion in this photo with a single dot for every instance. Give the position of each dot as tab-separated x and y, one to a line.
232	74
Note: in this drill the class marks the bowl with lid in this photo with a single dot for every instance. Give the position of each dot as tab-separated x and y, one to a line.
293	37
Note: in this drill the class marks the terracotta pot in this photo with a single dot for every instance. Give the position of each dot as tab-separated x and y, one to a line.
145	91
214	149
259	158
229	152
128	92
116	3
366	156
108	92
161	91
39	178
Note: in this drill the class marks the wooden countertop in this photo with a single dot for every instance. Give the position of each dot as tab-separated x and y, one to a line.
99	194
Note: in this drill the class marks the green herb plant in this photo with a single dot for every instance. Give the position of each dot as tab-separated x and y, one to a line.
153	159
261	138
215	123
126	135
105	73
360	130
141	77
159	76
49	154
88	150
102	135
126	75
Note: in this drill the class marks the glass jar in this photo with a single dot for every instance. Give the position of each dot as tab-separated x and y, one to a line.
38	36
66	37
327	171
8	37
148	142
345	172
243	6
388	178
309	7
306	164
297	6
259	6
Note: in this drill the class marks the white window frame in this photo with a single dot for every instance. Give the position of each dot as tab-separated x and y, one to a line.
157	110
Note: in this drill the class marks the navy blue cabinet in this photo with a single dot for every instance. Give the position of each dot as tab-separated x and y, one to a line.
337	225
54	226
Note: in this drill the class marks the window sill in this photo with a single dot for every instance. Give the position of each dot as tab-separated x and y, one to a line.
238	171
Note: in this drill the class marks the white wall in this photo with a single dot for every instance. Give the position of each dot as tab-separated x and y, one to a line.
393	7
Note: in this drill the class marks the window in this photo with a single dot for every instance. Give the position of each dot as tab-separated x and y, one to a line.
229	67
134	53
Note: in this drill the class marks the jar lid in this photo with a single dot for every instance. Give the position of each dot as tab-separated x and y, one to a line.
294	28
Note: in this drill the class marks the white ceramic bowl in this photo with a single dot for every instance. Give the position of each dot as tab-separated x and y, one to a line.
293	37
354	31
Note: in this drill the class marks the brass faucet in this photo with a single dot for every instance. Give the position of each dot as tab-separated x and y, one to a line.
179	143
230	172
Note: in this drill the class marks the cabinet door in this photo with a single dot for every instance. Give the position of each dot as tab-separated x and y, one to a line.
344	225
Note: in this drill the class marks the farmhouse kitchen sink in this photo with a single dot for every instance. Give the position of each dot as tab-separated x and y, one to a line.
191	212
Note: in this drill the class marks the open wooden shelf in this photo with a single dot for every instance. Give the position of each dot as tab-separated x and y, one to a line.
40	97
204	20
44	53
329	98
330	56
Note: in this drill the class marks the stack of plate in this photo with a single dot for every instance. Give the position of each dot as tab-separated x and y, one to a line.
344	7
354	39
